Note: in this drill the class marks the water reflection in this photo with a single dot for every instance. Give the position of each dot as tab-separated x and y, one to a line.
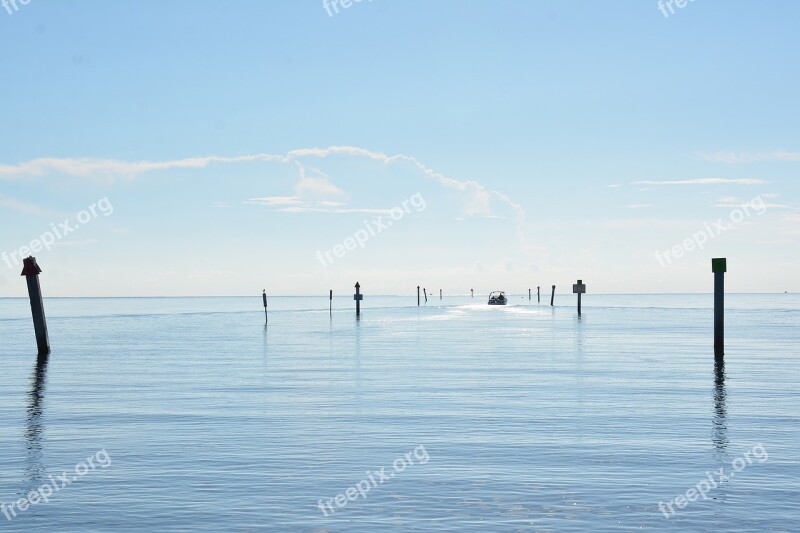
720	421
266	347
34	431
358	384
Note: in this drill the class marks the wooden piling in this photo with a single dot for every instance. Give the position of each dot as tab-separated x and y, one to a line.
579	289
31	272
538	294
553	297
719	267
425	292
418	296
358	297
331	302
264	298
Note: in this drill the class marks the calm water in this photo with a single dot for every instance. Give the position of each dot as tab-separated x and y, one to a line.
530	419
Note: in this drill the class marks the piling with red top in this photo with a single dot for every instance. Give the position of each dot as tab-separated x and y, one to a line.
31	272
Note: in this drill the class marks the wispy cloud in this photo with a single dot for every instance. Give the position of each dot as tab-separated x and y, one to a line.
705	181
742	158
24	207
319	186
76	242
295	204
110	170
732	202
477	201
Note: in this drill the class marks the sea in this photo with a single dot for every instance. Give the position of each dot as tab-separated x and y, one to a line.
195	414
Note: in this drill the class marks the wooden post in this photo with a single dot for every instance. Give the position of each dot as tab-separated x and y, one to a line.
472	292
579	289
538	294
529	295
719	267
440	294
264	297
417	295
358	297
331	305
31	272
425	292
553	297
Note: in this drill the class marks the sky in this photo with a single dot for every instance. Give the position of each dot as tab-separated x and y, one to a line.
171	148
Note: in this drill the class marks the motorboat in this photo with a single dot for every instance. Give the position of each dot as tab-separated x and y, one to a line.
498	298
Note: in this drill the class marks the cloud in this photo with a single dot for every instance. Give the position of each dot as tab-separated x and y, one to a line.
319	186
109	170
379	212
75	242
477	202
742	158
705	181
732	202
24	207
274	200
294	204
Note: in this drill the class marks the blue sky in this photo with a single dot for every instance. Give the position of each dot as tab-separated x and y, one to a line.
549	141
